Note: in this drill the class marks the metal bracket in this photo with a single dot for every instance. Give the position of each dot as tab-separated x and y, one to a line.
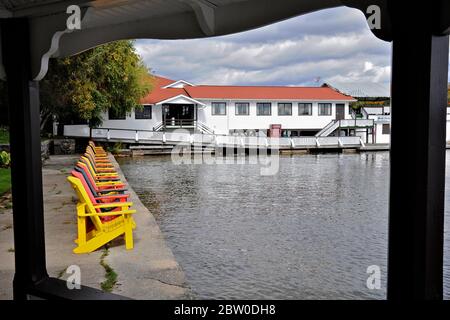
205	14
45	35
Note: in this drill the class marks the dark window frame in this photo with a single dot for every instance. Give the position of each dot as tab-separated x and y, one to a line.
384	130
284	104
259	104
326	104
236	108
310	109
141	114
113	116
213	108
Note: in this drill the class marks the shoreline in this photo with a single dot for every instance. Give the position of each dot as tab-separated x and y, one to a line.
149	271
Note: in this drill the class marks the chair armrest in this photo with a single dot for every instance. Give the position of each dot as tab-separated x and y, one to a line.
106	191
113	196
111	174
107	180
109	188
113	205
105	170
110	183
105	214
103	163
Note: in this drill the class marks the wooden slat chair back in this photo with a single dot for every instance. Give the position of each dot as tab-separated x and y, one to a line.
113	178
98	190
96	193
105	228
93	170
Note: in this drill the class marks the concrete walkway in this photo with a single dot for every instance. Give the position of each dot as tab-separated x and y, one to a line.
149	271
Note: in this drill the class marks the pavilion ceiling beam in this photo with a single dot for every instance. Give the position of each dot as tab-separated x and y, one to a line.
50	38
46	8
420	55
205	14
440	25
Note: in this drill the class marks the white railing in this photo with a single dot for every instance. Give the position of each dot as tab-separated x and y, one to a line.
145	136
150	136
355	140
304	142
80	130
328	141
346	123
329	128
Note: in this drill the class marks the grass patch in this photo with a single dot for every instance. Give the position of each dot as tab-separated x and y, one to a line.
110	274
4	135
5	180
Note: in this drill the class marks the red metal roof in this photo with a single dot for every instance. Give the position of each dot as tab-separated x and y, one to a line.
265	92
241	92
158	93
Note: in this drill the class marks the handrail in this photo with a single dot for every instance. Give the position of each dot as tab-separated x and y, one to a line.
159	126
364	112
179	122
295	142
325	129
204	128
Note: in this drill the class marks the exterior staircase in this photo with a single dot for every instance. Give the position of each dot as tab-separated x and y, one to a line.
328	129
343	124
200	126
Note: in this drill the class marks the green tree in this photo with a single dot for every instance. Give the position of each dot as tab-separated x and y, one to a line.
80	88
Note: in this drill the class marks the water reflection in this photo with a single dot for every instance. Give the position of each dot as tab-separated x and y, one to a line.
309	232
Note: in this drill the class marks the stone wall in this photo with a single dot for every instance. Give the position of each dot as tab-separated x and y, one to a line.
63	146
45	149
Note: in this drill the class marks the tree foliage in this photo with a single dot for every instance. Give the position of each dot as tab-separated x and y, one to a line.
80	88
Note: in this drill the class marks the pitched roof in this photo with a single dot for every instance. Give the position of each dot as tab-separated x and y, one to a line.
265	92
158	93
241	92
362	89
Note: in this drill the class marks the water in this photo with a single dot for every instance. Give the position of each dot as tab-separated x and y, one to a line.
309	232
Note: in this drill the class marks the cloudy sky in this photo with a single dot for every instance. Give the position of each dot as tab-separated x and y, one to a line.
330	45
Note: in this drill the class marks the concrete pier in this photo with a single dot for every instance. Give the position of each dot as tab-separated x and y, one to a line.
149	271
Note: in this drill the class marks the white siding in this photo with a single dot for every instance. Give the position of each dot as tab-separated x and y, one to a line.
134	124
221	124
379	136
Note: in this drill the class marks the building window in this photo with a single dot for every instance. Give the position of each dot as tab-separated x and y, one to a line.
324	109
219	108
114	114
242	109
305	109
386	129
144	112
285	109
264	109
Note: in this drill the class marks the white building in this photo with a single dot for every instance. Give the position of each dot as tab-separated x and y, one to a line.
250	110
374	99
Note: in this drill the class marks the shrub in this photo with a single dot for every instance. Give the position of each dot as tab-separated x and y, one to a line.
5	159
115	149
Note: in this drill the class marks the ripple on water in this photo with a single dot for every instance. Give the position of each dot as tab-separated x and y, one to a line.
308	232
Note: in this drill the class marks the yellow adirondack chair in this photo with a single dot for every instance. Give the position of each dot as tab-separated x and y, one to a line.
102	231
98	150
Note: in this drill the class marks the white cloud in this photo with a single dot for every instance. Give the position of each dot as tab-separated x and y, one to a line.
330	44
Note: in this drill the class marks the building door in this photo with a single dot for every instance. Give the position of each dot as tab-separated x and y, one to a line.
340	111
179	114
